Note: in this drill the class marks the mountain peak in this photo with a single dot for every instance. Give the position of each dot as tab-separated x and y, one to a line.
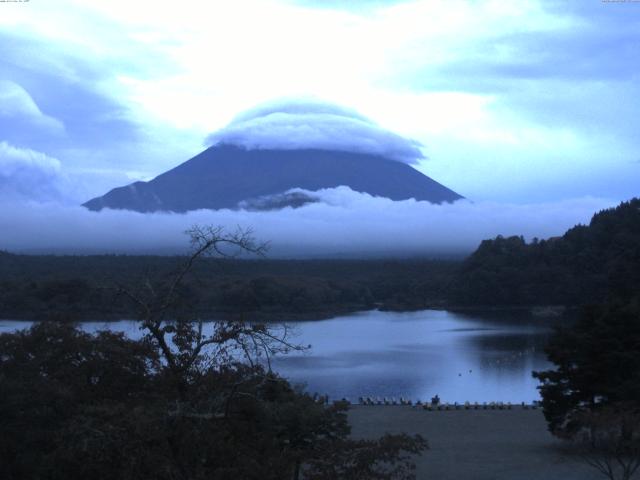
228	176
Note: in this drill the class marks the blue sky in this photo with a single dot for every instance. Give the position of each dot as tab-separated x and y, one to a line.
512	101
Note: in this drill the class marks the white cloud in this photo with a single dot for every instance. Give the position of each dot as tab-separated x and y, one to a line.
296	124
29	175
16	105
13	159
343	223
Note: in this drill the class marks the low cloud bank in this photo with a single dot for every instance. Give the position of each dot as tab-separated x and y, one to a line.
298	124
341	223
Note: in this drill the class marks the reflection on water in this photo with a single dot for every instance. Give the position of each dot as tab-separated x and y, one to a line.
411	354
419	354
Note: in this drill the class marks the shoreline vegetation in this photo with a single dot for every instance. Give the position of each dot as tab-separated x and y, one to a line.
531	314
48	287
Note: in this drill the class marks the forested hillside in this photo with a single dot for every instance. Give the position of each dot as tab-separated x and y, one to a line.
83	287
588	264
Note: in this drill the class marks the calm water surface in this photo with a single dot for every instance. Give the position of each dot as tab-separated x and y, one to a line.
411	354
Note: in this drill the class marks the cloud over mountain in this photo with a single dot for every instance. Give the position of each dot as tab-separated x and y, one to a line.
293	124
338	221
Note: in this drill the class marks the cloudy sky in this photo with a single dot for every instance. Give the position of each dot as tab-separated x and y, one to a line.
517	102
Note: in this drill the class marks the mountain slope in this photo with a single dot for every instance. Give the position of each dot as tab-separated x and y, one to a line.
223	176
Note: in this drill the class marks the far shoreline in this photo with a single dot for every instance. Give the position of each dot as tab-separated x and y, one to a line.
543	313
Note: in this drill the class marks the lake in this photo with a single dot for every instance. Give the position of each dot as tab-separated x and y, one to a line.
461	357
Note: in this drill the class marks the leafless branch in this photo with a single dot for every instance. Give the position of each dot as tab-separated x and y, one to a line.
185	345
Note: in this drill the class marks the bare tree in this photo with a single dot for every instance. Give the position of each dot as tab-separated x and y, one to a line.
609	440
186	343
